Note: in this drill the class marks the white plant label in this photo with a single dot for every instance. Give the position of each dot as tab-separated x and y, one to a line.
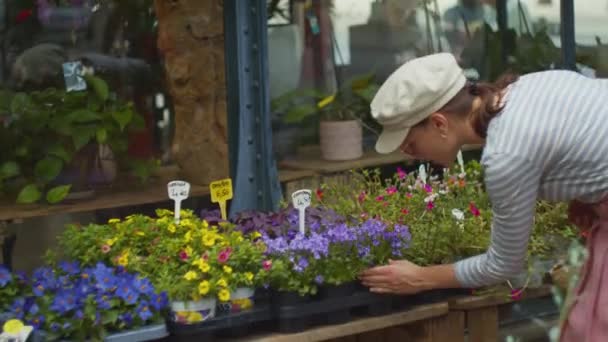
460	161
301	200
422	173
178	191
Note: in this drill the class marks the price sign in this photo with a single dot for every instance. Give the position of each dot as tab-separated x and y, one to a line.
422	173
178	191
460	161
301	200
221	192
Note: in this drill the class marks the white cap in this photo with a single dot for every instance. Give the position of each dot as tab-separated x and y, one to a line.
416	90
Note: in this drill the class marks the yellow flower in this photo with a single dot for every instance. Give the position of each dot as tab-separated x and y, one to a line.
110	242
204	267
113	220
243	304
256	235
227	269
13	326
203	287
194	317
249	276
209	239
222	282
224	295
188	250
171	228
123	260
239	239
205	224
185	213
140	233
188	236
163	213
191	275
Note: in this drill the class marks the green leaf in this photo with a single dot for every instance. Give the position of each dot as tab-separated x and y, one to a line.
60	152
21	151
58	193
48	168
29	194
102	135
82	136
20	103
83	115
299	113
123	117
110	317
99	86
8	170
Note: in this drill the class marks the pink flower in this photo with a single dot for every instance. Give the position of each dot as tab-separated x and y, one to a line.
516	294
401	173
319	194
183	255
474	209
362	196
380	198
405	211
267	264
428	188
391	190
409	195
224	255
430	205
205	256
105	249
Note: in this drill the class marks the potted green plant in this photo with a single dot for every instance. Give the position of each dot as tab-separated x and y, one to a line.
341	115
54	142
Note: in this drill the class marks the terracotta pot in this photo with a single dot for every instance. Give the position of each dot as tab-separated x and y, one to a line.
341	140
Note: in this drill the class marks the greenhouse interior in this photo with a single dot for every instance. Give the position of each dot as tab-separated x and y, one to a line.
303	170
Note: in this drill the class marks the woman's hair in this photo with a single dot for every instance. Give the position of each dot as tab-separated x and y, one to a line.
490	95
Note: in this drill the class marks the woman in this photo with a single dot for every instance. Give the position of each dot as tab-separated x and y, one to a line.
544	136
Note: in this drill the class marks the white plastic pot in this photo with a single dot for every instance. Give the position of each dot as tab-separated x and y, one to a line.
341	140
192	312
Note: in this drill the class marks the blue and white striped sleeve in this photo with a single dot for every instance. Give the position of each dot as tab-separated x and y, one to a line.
512	184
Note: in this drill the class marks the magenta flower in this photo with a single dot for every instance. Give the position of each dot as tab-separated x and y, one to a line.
404	211
380	198
362	196
391	190
267	264
409	195
428	188
516	294
183	256
474	210
401	173
430	205
224	255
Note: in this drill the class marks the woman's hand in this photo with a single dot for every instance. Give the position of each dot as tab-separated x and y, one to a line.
398	277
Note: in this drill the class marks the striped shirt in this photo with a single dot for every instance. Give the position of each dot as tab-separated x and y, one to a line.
549	142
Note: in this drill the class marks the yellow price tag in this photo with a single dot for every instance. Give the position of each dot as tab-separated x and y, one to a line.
221	191
324	102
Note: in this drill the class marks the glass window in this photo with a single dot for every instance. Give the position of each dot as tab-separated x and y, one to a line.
591	32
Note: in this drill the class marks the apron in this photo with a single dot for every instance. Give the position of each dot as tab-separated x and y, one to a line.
587	319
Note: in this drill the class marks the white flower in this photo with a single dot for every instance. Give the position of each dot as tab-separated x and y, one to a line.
462	175
458	214
430	198
442	192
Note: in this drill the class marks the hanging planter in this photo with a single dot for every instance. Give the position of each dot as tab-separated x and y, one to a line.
192	312
341	140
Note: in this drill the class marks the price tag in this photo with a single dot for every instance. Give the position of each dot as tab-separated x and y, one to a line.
460	160
422	173
221	192
301	200
178	191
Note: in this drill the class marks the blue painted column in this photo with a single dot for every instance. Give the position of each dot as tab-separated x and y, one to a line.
568	37
252	165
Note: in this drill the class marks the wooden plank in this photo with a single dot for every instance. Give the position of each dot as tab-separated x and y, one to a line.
310	159
476	302
120	195
482	324
359	326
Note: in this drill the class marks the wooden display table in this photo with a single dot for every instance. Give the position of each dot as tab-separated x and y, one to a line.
480	314
420	323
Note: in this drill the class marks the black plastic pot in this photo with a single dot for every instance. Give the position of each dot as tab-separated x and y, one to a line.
282	299
381	305
334	291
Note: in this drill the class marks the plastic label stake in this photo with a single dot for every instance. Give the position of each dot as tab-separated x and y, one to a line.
422	173
301	200
178	191
221	192
460	160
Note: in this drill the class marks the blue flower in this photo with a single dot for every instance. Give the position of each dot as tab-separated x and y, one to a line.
143	311
103	302
144	286
159	301
37	322
34	309
55	327
46	277
126	318
64	302
301	265
79	314
319	279
5	276
38	289
18	308
127	293
70	267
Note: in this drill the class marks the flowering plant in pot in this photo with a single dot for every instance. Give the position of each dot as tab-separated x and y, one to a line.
11	287
70	302
341	115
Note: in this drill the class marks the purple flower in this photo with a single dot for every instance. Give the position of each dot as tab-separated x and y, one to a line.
143	311
70	268
319	280
301	265
5	276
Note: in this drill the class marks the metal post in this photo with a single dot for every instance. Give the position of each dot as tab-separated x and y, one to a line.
252	166
567	34
501	17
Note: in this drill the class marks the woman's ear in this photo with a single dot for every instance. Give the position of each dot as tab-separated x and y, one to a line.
440	122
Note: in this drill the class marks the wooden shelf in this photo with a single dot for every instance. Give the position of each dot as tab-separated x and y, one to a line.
309	158
119	196
415	314
476	302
